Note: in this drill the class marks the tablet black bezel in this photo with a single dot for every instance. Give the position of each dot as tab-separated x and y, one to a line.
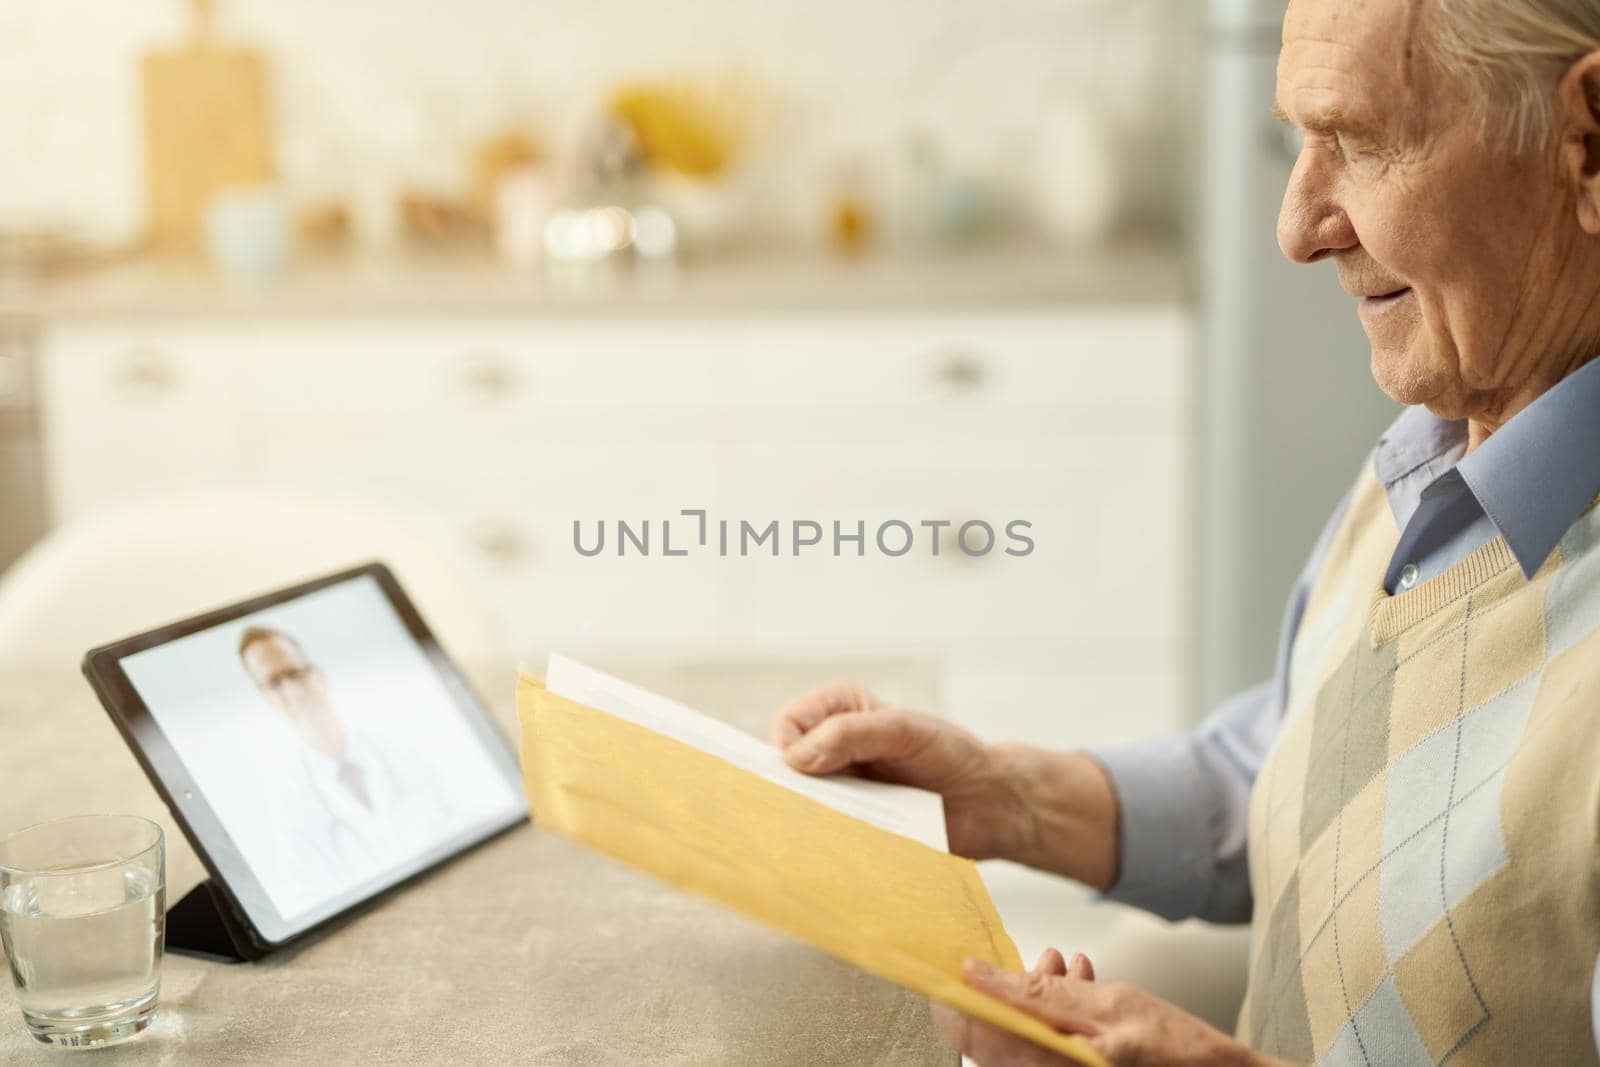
229	872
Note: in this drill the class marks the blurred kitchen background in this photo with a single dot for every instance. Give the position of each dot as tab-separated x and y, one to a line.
488	267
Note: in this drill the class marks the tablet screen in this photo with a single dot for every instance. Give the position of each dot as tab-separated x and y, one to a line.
326	743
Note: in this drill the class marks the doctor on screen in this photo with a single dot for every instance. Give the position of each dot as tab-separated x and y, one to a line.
357	804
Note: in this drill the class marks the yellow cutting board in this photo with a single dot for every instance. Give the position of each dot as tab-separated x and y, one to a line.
207	127
892	906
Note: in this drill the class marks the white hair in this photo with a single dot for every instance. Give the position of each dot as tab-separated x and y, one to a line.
1510	54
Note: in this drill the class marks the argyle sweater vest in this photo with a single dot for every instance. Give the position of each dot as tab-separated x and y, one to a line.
1424	833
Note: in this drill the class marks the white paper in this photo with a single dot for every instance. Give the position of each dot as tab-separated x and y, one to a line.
914	813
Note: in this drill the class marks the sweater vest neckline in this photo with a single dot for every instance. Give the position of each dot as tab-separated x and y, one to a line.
1393	614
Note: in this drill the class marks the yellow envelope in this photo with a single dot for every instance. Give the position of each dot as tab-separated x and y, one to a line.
892	906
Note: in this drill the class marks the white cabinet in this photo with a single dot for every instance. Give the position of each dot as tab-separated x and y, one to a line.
498	433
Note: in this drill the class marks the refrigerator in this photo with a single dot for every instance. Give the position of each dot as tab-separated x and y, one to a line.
1289	407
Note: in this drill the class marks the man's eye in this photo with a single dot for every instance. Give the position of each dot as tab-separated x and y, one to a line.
1353	150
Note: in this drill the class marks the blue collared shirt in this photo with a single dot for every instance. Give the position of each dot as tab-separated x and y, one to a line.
1184	799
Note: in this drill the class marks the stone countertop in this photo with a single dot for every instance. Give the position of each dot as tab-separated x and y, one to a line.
528	950
982	277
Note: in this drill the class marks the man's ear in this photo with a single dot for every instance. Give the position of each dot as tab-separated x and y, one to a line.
1578	114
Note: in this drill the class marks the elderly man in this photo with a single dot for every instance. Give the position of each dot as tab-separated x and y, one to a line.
1409	811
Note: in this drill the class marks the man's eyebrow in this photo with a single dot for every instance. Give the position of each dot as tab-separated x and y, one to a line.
1325	120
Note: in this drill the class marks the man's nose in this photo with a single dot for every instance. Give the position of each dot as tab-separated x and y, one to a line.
1311	223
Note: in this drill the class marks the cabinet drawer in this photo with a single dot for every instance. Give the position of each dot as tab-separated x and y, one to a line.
479	369
1131	359
129	412
561	468
1120	359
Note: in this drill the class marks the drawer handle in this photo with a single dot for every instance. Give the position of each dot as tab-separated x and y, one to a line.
502	547
955	554
488	377
146	372
960	371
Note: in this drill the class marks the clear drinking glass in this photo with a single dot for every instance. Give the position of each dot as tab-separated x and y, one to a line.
82	914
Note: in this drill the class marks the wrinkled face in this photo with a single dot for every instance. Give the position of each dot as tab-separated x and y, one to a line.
292	685
1454	252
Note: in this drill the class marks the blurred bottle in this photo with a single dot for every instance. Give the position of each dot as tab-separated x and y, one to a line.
849	223
1074	175
524	200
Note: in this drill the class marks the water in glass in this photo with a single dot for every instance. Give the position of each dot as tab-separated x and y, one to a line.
85	948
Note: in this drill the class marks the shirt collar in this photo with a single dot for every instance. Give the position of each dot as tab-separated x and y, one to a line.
1536	474
1413	454
1532	477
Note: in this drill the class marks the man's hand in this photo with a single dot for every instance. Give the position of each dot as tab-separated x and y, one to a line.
1125	1024
842	727
1053	810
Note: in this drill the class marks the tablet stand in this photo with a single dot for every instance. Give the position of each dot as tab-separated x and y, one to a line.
204	923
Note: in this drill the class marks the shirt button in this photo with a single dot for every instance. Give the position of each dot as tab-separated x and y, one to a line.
1408	576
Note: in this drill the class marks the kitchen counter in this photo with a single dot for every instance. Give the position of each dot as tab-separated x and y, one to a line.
455	285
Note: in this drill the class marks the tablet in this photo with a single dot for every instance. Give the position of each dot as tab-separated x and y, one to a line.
315	744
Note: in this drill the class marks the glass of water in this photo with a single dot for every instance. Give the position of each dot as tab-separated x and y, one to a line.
82	914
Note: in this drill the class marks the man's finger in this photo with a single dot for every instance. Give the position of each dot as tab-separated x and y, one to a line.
800	716
1066	1004
843	740
1080	968
1052	963
988	1045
